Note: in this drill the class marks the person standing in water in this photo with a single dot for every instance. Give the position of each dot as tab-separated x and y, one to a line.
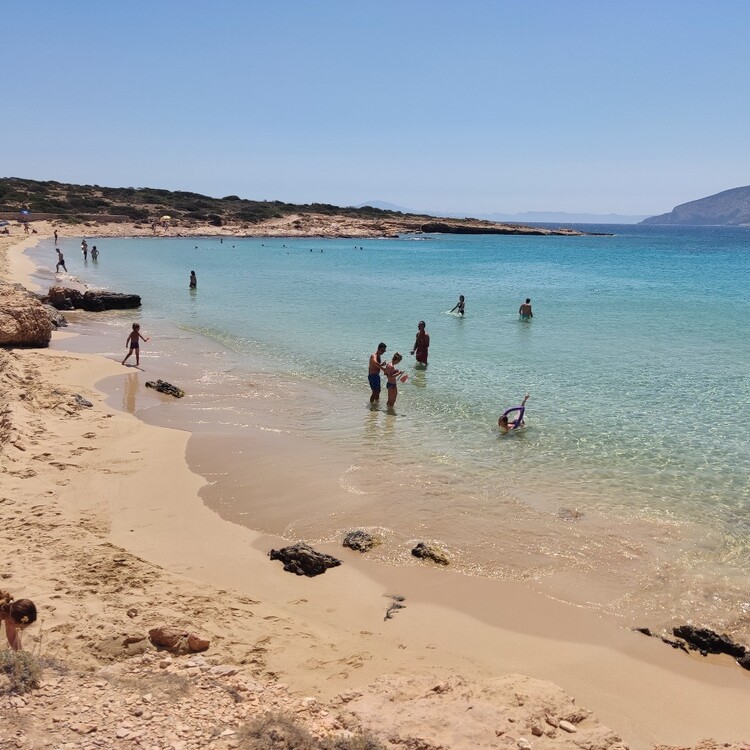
133	341
421	344
373	375
460	305
55	236
193	280
85	249
392	374
94	252
525	310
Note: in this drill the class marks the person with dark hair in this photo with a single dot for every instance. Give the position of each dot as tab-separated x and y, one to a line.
17	614
60	262
373	375
193	280
460	305
421	344
525	310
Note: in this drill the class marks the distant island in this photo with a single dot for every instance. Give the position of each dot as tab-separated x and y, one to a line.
730	208
135	211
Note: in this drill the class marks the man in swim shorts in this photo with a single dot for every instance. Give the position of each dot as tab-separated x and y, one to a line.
421	344
525	310
376	366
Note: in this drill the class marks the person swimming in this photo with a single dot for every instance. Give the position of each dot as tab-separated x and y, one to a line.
504	422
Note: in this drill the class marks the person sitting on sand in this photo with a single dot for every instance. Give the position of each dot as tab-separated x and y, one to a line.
133	341
193	280
525	310
17	615
392	375
60	262
505	425
460	305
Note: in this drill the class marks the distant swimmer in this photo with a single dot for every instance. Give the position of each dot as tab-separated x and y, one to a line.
421	344
460	305
392	374
55	236
512	419
525	310
60	262
193	280
373	376
133	341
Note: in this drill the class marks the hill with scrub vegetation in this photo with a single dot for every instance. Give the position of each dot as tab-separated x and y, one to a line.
192	212
730	208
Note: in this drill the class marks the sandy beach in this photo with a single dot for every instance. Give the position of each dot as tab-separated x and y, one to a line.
106	531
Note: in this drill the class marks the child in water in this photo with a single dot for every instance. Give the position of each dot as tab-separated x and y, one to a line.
460	305
133	341
506	426
392	374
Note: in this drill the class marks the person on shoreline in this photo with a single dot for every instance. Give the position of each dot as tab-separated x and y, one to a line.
94	253
421	344
373	375
460	305
60	262
392	374
17	615
193	280
525	310
133	341
505	424
55	236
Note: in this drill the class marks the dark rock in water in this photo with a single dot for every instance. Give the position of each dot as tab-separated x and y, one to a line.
430	552
56	317
674	644
705	640
361	541
744	661
67	298
163	387
303	560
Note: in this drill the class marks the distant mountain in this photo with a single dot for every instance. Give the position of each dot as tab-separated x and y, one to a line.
539	217
729	208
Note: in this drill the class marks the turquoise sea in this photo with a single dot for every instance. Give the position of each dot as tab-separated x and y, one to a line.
628	491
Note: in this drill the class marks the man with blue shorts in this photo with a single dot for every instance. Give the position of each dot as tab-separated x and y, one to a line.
376	366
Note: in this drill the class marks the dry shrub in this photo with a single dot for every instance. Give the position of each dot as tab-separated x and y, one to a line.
283	732
21	669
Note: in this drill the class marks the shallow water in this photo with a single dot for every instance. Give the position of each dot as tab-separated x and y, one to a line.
627	491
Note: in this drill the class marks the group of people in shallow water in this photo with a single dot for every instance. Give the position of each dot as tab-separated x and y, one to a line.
510	419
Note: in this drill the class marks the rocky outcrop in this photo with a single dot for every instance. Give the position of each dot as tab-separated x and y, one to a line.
477	227
729	208
708	642
163	387
430	552
23	319
68	298
361	541
303	560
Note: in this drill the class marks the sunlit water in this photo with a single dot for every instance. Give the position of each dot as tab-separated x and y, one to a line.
629	488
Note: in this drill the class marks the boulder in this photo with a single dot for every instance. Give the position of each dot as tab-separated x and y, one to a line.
177	640
56	317
70	298
708	642
163	387
303	560
430	552
23	319
361	541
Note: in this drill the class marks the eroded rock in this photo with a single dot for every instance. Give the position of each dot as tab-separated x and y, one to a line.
23	319
303	560
708	642
361	541
426	551
163	387
177	640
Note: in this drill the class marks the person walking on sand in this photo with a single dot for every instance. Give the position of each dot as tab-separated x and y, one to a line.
525	310
193	280
133	341
17	616
60	262
421	344
373	375
392	373
460	305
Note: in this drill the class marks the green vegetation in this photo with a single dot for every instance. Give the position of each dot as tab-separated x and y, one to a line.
150	204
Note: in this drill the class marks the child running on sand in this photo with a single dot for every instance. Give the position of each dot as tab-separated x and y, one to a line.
392	374
133	341
17	615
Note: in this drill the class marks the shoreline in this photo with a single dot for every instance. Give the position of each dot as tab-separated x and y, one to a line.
618	673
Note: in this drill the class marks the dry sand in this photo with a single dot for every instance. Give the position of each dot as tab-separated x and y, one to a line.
104	528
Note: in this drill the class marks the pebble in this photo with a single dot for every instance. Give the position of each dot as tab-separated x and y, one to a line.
567	726
523	744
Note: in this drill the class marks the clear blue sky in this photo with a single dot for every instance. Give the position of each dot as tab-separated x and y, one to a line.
479	106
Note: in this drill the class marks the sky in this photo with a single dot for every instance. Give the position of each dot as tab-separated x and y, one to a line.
479	106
